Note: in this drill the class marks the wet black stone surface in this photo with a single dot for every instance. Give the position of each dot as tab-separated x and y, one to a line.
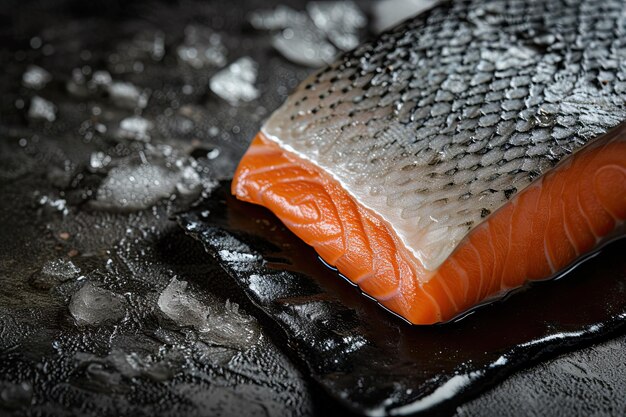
58	234
375	363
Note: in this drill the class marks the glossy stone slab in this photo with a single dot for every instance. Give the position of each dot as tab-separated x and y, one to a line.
374	362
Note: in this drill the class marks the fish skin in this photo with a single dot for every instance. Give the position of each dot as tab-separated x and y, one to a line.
441	120
458	155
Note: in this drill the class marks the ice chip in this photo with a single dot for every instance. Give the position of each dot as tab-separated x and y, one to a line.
42	109
135	127
388	13
336	15
236	82
161	173
213	153
127	95
312	39
56	203
189	183
36	77
98	161
226	326
304	46
202	47
133	365
180	306
92	305
135	187
279	18
339	20
101	78
232	327
54	272
61	268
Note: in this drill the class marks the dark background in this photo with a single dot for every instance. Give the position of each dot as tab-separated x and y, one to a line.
145	363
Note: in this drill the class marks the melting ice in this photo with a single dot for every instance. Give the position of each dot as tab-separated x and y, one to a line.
92	305
42	109
225	326
99	161
56	203
132	185
304	46
279	18
340	21
182	307
202	47
312	38
388	13
129	365
127	95
55	272
136	187
135	127
101	78
236	82
36	77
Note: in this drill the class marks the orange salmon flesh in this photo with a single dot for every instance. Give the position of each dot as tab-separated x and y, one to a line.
560	217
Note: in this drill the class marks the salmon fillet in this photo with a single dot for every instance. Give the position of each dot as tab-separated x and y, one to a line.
445	163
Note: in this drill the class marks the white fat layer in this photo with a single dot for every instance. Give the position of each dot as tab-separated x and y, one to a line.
442	241
368	202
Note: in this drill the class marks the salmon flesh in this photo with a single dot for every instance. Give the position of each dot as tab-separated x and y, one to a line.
457	156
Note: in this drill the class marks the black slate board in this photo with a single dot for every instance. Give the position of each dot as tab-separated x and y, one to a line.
375	363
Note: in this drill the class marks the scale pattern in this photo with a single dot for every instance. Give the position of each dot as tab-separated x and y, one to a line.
440	121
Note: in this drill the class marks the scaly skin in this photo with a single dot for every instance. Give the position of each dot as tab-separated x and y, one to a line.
457	155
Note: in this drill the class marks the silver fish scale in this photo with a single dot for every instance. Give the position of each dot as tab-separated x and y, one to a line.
438	122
